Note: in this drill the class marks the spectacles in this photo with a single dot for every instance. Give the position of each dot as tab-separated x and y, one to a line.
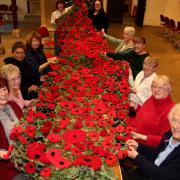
15	78
160	88
175	122
17	52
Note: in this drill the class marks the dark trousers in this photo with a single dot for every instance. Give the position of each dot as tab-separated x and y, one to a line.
57	44
133	174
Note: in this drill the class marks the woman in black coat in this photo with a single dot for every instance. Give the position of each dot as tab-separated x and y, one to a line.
98	16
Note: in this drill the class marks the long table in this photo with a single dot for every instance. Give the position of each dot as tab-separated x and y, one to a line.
117	171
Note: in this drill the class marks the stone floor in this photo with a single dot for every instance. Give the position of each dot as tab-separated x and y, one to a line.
157	45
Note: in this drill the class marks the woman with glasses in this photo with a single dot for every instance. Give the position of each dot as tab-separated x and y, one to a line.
151	120
98	16
29	81
13	76
141	90
10	113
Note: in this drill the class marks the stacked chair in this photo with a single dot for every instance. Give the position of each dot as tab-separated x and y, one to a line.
171	30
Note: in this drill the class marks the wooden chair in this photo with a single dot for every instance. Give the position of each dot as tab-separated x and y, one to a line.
167	26
172	29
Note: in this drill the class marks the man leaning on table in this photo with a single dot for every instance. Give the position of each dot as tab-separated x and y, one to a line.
162	162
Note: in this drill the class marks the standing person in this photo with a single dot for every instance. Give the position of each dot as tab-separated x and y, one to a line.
135	57
151	120
162	162
141	90
98	16
29	81
10	113
13	76
126	43
35	56
60	10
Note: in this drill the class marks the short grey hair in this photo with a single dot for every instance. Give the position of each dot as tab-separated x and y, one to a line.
174	109
8	69
129	29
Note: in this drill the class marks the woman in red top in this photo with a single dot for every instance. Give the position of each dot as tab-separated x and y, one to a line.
151	120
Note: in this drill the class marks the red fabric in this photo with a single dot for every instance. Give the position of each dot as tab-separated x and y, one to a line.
152	119
43	31
7	169
17	110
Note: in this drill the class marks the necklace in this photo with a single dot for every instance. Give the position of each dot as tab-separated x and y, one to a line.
7	112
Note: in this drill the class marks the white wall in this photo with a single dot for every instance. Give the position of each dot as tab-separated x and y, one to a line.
154	8
22	7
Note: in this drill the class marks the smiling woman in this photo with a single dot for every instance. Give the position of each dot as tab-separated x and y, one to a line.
9	115
141	89
13	76
151	120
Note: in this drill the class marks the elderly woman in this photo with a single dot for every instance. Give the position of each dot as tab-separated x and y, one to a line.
162	162
13	76
141	90
151	120
136	57
98	16
10	113
125	44
35	56
29	81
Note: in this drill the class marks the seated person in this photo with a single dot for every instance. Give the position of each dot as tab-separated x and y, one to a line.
141	90
13	76
151	120
162	162
10	113
135	57
125	44
29	81
35	56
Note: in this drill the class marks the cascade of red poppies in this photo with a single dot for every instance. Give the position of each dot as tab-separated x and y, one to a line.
79	121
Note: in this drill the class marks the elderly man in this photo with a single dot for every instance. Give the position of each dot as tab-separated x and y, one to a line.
162	162
125	44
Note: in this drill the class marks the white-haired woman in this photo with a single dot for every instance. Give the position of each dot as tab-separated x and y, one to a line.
10	113
162	162
141	90
151	120
126	43
12	74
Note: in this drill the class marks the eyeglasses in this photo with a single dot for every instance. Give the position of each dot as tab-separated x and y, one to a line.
15	78
160	88
175	122
19	52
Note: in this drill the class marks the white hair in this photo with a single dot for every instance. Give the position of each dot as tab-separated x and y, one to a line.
175	108
130	30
